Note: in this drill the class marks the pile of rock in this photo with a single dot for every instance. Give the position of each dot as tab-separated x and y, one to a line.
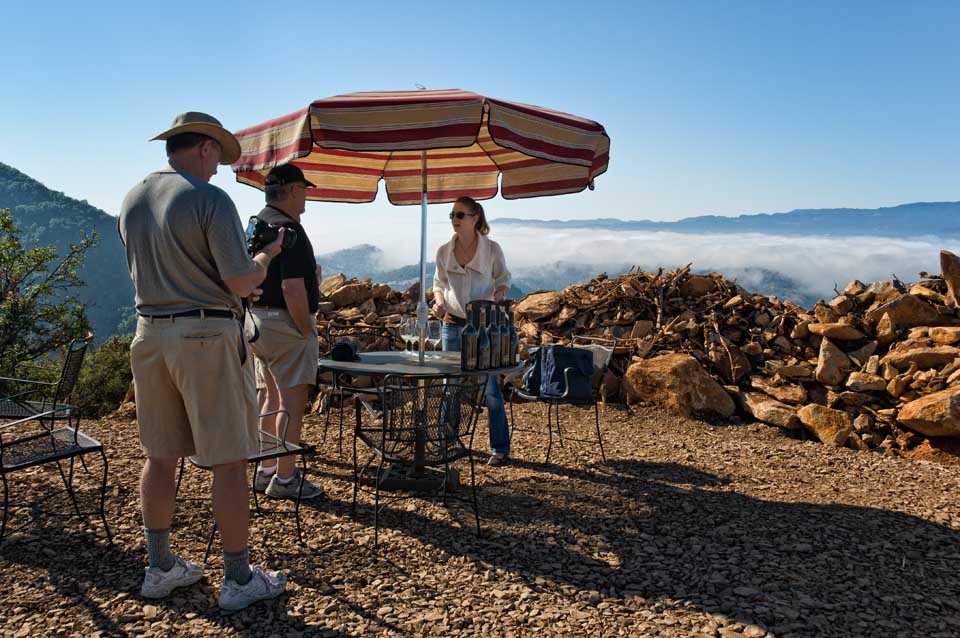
875	367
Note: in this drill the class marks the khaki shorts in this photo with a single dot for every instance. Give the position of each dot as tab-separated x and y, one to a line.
194	396
283	356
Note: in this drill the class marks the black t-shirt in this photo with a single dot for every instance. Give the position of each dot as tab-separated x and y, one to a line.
292	263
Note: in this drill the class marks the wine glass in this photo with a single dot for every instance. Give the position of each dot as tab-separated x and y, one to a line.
408	332
434	336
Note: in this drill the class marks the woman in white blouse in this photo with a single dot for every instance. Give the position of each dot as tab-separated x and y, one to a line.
469	267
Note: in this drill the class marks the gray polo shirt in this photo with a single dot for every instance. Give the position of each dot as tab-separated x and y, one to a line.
183	238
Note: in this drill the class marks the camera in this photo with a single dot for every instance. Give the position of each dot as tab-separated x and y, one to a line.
261	233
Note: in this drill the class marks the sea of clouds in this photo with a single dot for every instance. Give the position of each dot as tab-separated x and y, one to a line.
815	263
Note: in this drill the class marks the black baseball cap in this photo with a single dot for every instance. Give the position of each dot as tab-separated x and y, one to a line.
286	174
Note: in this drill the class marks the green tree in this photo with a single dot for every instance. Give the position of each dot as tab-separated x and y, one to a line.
37	312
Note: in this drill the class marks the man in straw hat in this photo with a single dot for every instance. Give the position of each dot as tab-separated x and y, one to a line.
193	379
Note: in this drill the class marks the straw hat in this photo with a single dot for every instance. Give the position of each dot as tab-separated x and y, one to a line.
196	122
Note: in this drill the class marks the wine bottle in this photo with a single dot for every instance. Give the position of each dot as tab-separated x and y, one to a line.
483	347
514	342
493	331
468	341
505	358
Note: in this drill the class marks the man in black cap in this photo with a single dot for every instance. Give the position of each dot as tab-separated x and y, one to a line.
287	351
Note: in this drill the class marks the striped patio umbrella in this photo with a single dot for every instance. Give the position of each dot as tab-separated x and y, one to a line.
428	147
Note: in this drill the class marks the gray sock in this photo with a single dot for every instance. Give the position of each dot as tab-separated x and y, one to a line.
158	548
236	566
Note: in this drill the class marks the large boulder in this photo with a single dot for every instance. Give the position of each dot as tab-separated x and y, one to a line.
771	411
950	269
936	414
727	358
538	305
864	382
838	331
697	286
906	311
945	336
350	295
331	283
925	358
678	382
786	392
829	425
832	365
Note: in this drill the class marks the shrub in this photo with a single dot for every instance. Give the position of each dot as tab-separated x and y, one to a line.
104	378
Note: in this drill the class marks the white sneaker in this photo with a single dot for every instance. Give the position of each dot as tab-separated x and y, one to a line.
263	585
261	480
291	489
158	583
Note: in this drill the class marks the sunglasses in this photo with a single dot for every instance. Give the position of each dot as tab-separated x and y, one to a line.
460	214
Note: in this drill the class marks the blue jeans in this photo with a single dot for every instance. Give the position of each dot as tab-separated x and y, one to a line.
496	413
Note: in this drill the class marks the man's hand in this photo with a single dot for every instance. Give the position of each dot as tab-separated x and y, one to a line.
499	294
273	248
255	295
439	308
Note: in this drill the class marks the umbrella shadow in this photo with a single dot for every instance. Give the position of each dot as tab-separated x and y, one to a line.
676	534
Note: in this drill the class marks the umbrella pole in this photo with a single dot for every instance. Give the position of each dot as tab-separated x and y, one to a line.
422	305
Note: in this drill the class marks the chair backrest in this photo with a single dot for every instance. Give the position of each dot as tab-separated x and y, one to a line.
367	338
72	363
426	419
601	355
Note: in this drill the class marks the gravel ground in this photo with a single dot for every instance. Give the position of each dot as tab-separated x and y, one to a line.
689	529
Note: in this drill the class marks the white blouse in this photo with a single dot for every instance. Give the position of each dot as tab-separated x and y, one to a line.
460	285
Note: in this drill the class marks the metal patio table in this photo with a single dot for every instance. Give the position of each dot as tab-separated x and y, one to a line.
401	363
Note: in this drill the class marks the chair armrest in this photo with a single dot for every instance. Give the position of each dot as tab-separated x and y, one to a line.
17	395
366	406
566	380
31	381
286	423
37	366
33	417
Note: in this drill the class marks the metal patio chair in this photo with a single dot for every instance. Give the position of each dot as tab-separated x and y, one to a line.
422	426
271	447
601	362
37	440
369	339
21	398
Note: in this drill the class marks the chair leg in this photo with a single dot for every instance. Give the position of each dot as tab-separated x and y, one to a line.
443	484
103	498
356	474
67	483
253	489
326	418
596	413
559	431
340	433
473	488
183	462
6	505
549	431
376	506
296	507
213	532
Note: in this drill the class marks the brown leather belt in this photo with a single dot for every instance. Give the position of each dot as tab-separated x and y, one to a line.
455	320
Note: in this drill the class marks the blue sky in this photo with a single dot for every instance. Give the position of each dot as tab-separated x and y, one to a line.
712	107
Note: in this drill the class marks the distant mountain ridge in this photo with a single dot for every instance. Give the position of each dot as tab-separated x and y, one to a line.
49	217
906	220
